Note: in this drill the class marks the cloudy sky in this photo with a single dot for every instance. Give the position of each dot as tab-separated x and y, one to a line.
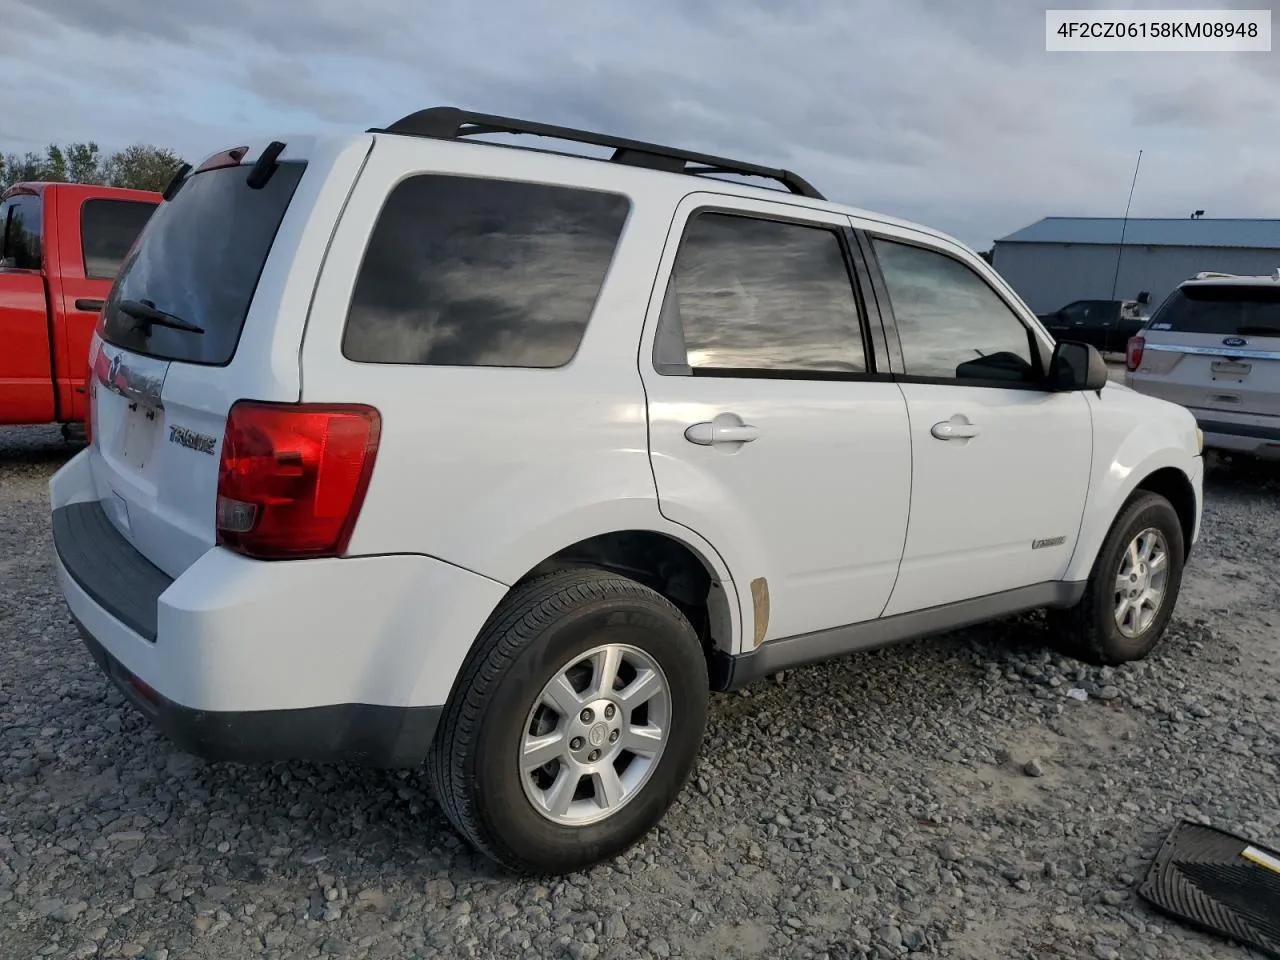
944	111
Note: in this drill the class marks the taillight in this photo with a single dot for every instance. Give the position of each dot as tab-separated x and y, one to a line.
293	476
96	358
1133	353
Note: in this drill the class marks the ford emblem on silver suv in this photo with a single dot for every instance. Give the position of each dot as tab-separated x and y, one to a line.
1234	342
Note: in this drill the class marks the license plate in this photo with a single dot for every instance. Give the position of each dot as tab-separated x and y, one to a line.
139	435
1232	369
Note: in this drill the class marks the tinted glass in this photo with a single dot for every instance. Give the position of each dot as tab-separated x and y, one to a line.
23	232
952	324
759	295
199	258
107	231
466	271
1226	310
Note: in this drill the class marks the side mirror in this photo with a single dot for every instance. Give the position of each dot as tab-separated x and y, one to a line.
1076	366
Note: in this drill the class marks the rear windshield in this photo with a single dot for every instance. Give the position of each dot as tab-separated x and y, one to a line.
199	259
1225	310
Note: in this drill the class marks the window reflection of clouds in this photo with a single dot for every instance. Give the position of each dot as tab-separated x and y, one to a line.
945	313
466	271
766	295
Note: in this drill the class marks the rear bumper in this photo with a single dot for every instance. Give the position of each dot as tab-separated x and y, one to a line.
1259	438
349	732
324	660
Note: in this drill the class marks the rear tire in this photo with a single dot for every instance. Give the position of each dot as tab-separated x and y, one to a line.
536	685
1132	588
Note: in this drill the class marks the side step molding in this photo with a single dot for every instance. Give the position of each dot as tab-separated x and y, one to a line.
733	672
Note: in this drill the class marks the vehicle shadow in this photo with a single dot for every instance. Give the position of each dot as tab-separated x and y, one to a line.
35	446
382	828
1240	475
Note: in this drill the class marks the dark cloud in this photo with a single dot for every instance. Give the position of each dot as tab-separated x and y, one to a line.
293	84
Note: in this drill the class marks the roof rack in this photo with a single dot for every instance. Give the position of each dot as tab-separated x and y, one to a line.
452	123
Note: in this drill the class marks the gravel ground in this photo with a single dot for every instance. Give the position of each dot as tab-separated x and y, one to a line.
940	798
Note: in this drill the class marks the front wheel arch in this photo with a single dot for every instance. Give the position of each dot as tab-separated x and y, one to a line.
1175	486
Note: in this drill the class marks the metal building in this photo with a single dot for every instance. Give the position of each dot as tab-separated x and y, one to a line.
1061	259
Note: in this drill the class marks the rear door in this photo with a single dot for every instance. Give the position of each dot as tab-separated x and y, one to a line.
94	236
771	432
1215	347
239	264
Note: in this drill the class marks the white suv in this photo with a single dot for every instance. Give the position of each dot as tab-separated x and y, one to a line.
412	449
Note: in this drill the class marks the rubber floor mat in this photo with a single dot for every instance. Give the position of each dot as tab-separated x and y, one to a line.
1219	882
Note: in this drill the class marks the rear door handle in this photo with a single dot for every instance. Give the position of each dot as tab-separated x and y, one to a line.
957	428
726	429
89	304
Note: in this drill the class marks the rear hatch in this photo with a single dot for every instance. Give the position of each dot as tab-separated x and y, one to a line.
208	308
1215	347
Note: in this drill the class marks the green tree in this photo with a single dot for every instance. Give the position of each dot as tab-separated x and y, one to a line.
15	168
141	167
84	163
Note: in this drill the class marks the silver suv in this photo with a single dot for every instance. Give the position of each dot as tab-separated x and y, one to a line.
1214	347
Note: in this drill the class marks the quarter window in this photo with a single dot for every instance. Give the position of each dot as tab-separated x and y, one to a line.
750	295
465	271
107	231
952	324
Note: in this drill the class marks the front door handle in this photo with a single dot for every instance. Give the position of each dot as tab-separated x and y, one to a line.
957	428
89	304
727	429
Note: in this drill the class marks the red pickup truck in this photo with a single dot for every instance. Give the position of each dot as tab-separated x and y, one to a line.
61	245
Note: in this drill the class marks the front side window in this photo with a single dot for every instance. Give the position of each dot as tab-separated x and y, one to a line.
758	296
23	229
107	231
952	325
467	271
1078	311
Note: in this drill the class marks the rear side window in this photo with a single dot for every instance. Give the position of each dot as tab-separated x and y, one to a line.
465	271
1226	310
199	259
22	242
107	231
758	297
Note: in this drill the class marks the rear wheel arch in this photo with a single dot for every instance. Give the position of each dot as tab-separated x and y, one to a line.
672	567
680	572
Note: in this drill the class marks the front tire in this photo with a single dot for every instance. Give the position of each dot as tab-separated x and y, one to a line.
1132	588
574	724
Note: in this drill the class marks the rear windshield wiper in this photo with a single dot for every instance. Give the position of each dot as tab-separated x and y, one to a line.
146	311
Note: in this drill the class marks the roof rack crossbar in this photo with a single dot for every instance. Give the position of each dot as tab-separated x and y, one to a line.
452	123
